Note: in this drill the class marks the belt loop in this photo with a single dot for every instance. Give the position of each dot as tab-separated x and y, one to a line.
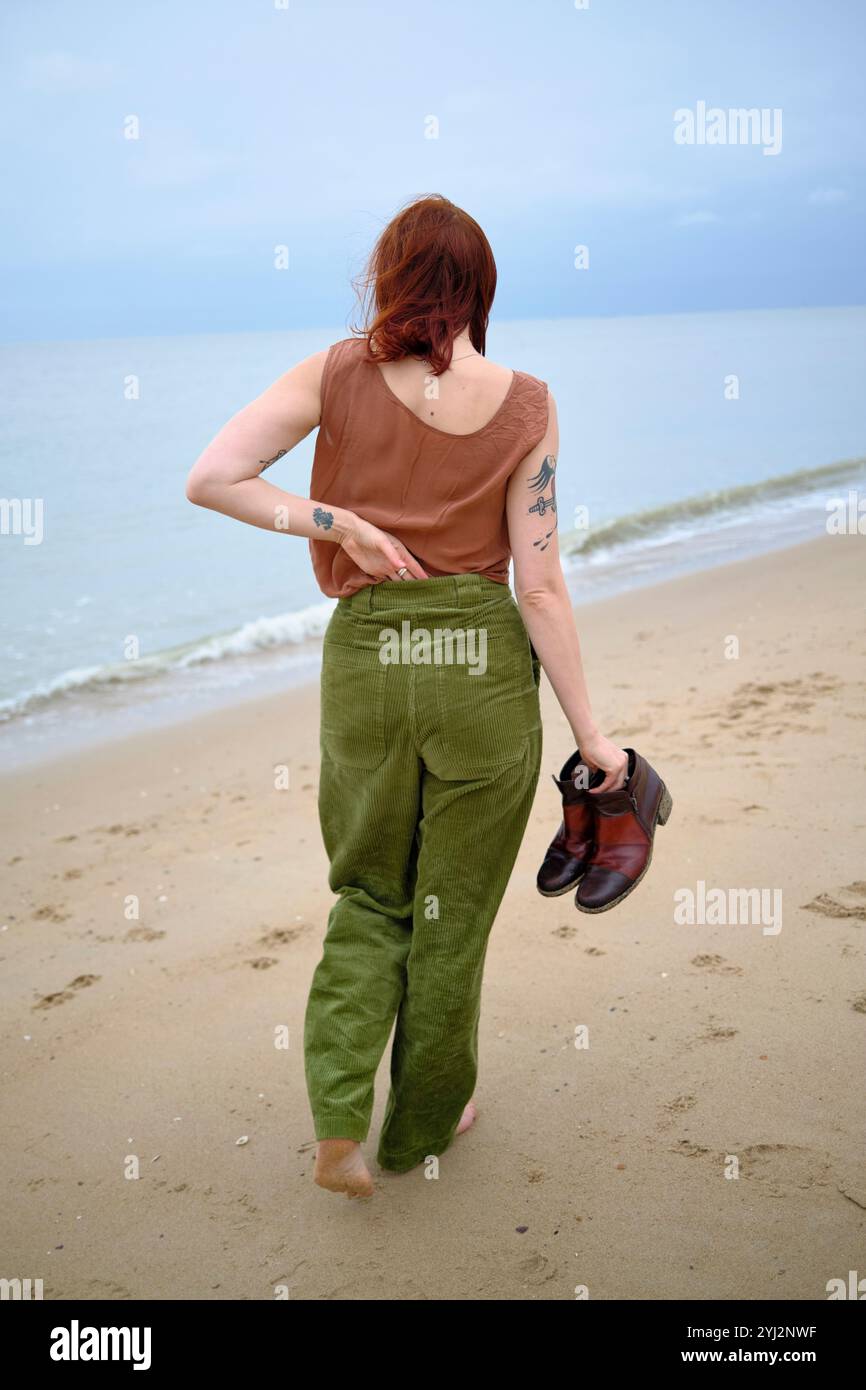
361	599
469	590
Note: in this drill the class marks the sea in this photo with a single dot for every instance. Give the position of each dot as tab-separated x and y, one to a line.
686	441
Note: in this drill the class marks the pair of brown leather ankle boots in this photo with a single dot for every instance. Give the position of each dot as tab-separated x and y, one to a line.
605	842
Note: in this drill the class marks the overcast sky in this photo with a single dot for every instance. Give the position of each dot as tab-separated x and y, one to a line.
305	126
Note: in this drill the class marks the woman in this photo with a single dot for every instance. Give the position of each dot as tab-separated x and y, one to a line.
432	467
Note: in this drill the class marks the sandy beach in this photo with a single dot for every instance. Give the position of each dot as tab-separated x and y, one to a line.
164	907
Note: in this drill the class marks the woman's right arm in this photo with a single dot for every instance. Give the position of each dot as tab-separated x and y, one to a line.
544	602
227	476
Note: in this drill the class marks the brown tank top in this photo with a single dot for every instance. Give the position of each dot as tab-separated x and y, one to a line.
442	494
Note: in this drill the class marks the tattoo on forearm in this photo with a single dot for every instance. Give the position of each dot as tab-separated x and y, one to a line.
538	483
323	518
544	541
266	463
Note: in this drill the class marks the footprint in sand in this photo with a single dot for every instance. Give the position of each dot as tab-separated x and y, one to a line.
859	1004
782	1168
756	707
50	1001
779	1170
854	909
717	1035
536	1269
263	962
716	965
565	932
680	1104
49	913
280	936
143	934
688	1149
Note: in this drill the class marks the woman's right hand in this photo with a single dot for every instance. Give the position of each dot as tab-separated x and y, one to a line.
378	553
598	752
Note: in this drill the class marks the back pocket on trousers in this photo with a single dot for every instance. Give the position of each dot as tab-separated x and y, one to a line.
352	722
484	720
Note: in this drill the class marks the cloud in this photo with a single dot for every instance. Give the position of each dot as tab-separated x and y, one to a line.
828	197
64	72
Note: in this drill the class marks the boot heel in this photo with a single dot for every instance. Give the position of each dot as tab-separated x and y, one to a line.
666	805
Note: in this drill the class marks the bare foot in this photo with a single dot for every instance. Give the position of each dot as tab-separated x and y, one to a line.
340	1167
467	1118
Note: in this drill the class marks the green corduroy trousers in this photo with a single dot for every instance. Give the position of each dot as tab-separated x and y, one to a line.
429	765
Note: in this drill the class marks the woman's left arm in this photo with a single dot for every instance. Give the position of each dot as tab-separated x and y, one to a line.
226	477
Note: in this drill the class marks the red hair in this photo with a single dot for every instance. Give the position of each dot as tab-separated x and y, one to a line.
430	275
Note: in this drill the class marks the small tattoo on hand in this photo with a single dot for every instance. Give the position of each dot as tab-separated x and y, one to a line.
266	463
323	518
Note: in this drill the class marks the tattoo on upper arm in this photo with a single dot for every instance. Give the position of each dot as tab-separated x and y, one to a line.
323	518
266	463
538	483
